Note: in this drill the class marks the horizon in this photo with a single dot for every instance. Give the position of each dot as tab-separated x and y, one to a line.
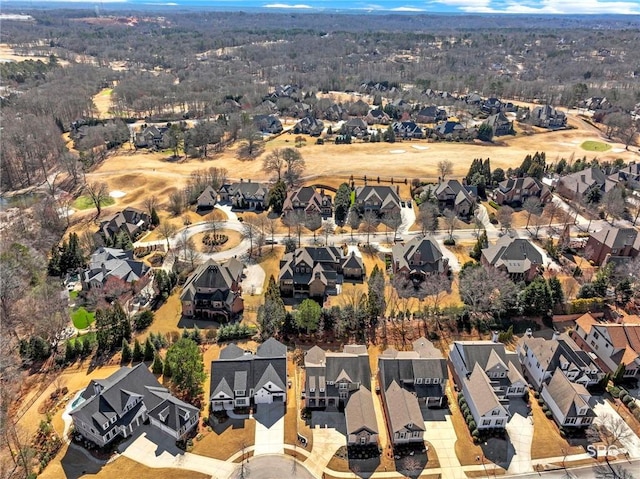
420	7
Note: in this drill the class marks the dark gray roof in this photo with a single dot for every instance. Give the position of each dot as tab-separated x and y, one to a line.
212	276
423	250
517	255
616	238
111	262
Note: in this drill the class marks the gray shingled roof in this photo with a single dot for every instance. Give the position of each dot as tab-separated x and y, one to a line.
569	397
517	255
482	393
616	238
213	275
402	409
425	250
359	412
112	262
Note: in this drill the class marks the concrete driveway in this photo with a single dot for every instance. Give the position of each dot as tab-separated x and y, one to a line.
269	438
605	412
520	431
454	264
439	431
326	442
408	218
273	467
155	449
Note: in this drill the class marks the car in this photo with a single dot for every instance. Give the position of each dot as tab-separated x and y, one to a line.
270	241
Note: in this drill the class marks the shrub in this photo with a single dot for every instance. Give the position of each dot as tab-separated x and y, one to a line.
548	414
142	319
614	391
540	402
632	406
449	242
627	399
545	408
468	418
536	394
473	426
494	205
475	433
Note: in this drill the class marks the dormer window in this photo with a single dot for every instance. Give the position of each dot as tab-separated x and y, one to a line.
105	425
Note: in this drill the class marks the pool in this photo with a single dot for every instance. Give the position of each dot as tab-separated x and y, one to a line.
77	400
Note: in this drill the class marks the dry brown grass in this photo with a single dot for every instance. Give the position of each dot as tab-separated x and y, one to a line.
226	439
293	423
547	441
234	238
102	102
466	450
492	470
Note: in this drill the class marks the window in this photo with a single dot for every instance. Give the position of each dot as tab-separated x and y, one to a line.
495	412
321	390
427	381
570	420
363	439
312	390
595	335
239	393
418	380
499	422
436	380
343	385
486	422
344	395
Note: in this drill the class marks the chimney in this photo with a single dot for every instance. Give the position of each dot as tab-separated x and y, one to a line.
556	334
104	269
241	180
583	178
529	332
494	336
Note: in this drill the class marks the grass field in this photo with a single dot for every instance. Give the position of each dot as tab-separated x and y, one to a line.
82	318
591	145
85	202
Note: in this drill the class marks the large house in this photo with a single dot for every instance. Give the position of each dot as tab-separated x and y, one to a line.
541	357
309	201
408	379
131	221
382	200
612	244
500	124
614	344
207	199
245	195
355	127
152	137
628	176
431	114
309	126
515	191
213	291
267	123
490	377
577	185
453	195
106	264
407	130
240	378
568	401
515	256
116	406
343	379
315	272
548	117
453	128
417	259
377	117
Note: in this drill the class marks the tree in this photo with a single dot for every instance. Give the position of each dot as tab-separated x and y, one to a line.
308	315
294	166
167	230
445	168
126	352
486	290
485	132
157	366
273	163
99	194
376	304
327	229
450	220
342	203
369	224
187	369
149	350
300	141
428	218
536	298
175	139
614	203
505	216
277	195
555	288
252	139
389	135
150	204
497	176
272	313
532	206
138	353
313	222
296	219
393	220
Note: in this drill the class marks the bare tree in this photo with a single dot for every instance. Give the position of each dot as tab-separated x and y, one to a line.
167	230
428	218
445	168
327	229
294	166
532	206
150	203
505	217
486	290
537	224
353	219
250	232
99	193
370	222
393	220
274	162
313	222
551	209
614	203
295	219
450	220
271	227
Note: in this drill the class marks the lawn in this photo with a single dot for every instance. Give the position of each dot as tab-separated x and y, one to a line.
82	318
85	202
547	441
591	145
226	439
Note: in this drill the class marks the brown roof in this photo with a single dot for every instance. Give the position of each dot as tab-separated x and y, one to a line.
359	412
586	321
402	409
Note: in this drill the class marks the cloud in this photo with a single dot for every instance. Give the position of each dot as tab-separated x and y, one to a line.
284	5
408	9
558	7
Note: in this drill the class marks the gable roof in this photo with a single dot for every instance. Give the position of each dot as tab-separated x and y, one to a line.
112	262
426	249
516	255
402	409
360	413
213	276
569	397
617	238
483	395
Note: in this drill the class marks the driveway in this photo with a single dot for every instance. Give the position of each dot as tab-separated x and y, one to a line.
520	431
254	279
326	442
605	412
273	467
439	431
155	449
454	264
483	216
269	438
408	218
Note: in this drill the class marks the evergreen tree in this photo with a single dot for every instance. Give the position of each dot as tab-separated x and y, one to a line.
138	353
166	369
103	330
308	315
53	268
342	203
272	313
121	323
277	195
536	298
555	287
390	135
186	367
126	352
485	132
155	219
196	335
87	347
157	367
481	243
376	304
69	352
149	350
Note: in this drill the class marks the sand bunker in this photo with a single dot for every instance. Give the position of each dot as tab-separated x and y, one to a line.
418	147
617	150
397	152
117	194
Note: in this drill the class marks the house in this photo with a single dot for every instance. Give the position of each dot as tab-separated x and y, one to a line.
241	379
131	221
246	195
500	124
541	358
407	130
612	243
267	123
568	401
515	191
431	114
355	127
309	126
335	113
335	379
548	117
417	259
407	380
207	199
383	200
213	291
577	185
153	137
491	106
116	406
108	263
629	176
515	256
473	99
451	194
377	117
614	344
315	272
308	200
453	128
490	378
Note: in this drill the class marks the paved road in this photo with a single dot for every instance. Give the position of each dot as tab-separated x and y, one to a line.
272	467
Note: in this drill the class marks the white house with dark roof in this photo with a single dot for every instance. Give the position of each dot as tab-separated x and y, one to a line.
242	378
245	195
576	185
568	401
490	377
107	263
515	256
116	406
335	379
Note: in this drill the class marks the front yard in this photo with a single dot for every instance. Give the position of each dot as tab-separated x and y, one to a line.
547	441
223	440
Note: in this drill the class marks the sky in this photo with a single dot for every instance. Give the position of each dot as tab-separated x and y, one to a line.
555	7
